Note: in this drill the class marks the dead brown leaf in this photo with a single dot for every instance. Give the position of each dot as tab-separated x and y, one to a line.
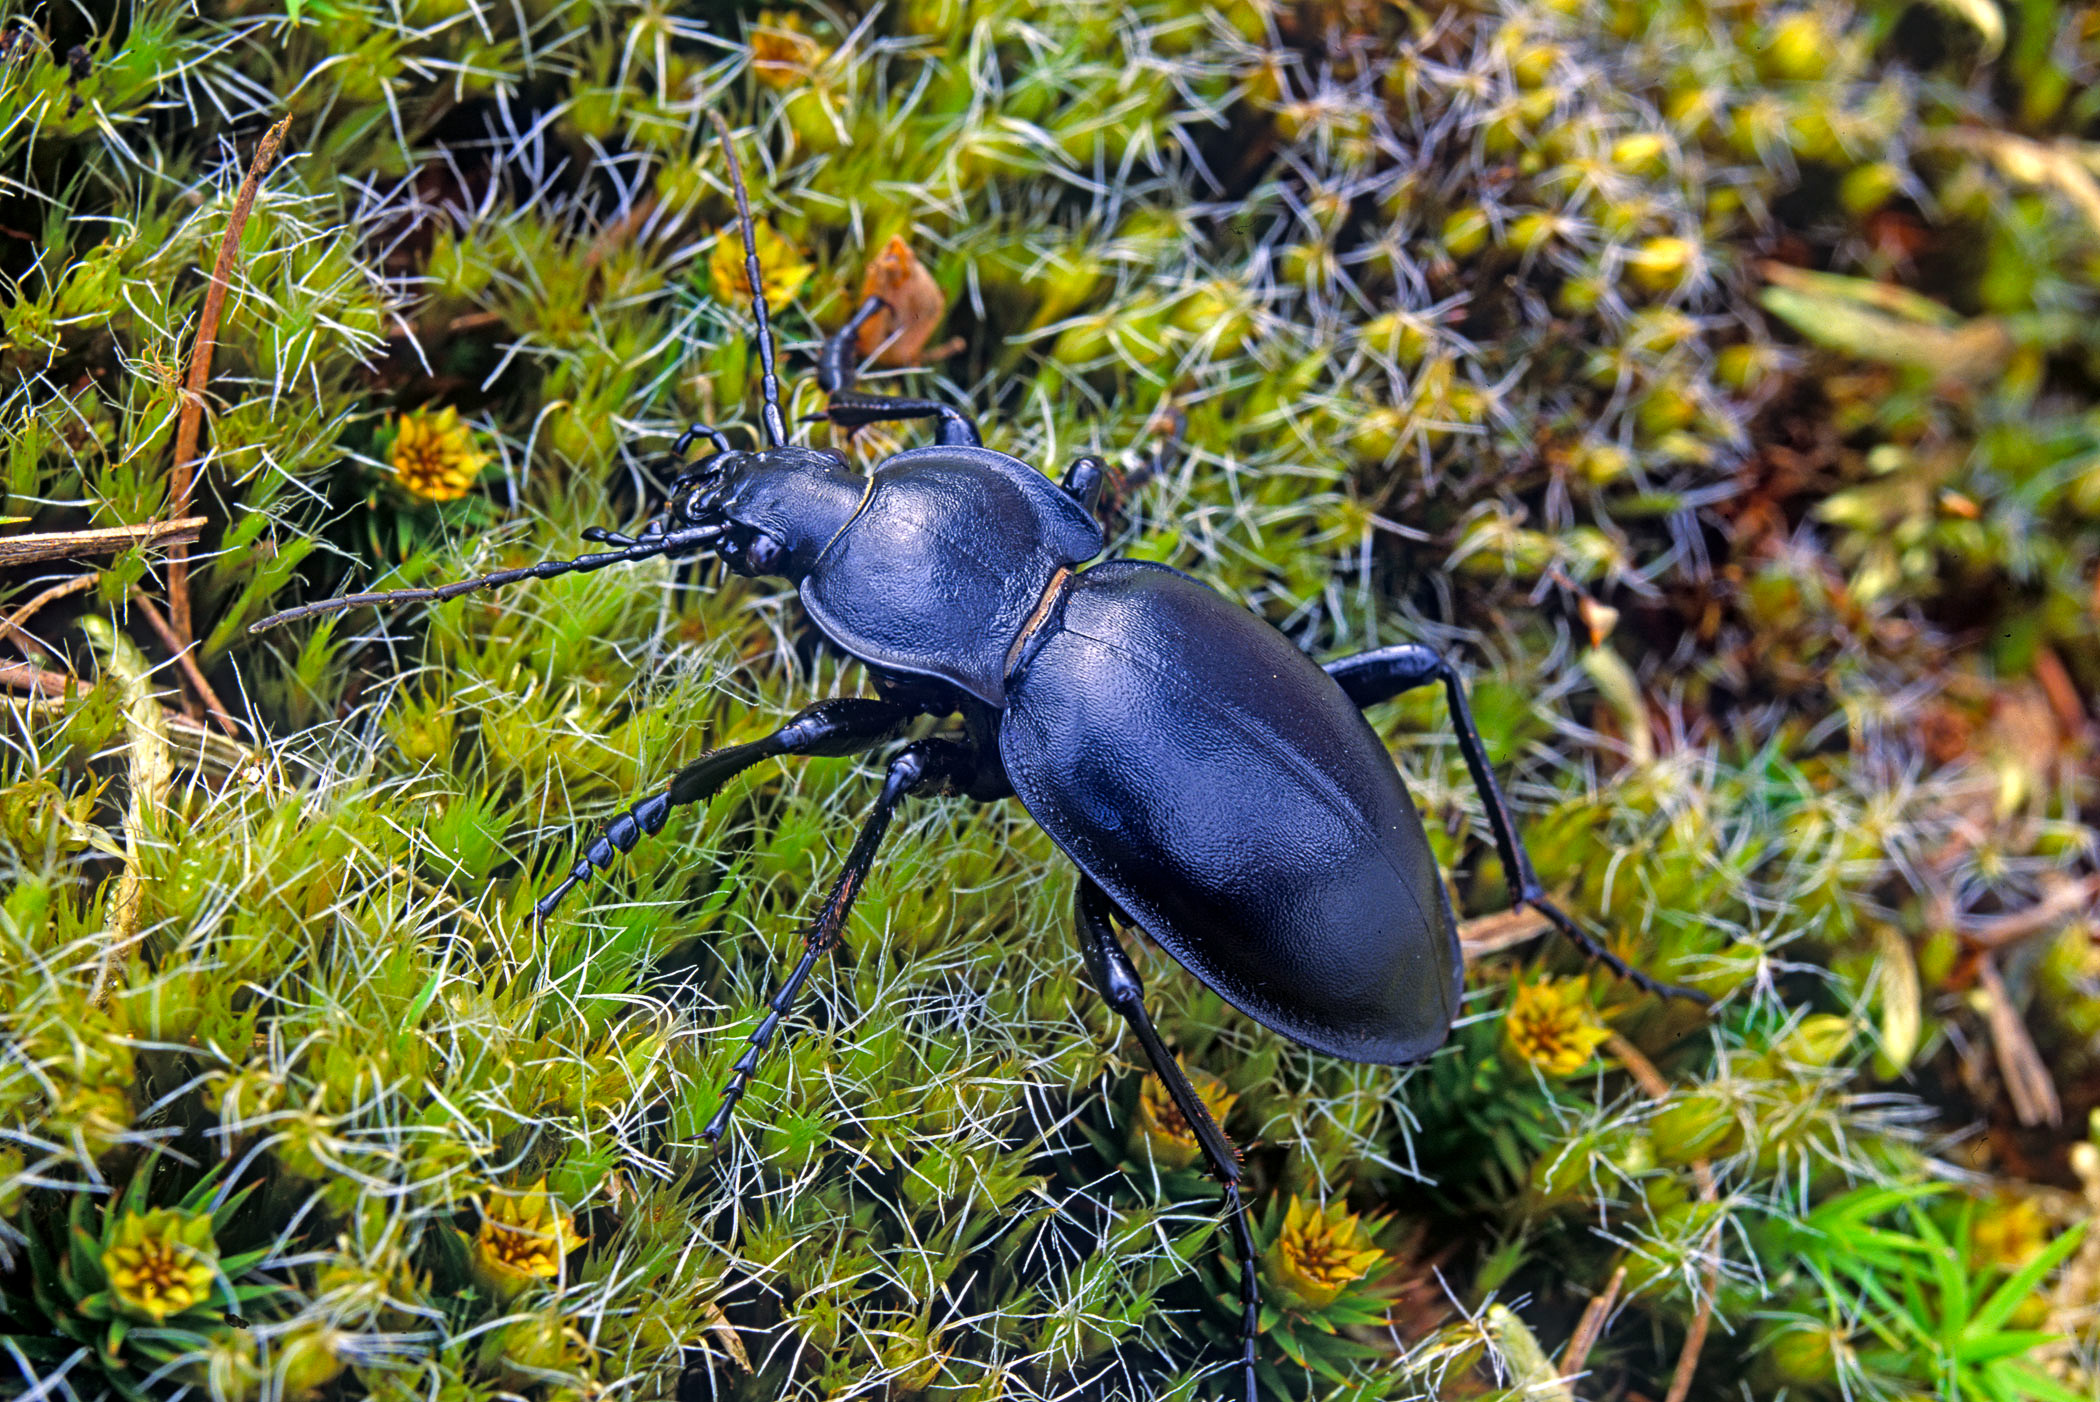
914	306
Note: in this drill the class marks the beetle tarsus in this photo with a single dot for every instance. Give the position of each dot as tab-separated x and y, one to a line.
838	367
920	766
620	836
1235	1213
1596	949
856	410
696	431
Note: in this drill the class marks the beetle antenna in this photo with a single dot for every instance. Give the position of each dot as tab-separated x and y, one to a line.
776	427
666	544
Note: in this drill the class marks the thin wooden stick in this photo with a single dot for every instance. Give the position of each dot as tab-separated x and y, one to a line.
1506	929
183	477
2027	1079
2060	901
16	624
59	545
1592	1326
185	660
1695	1336
27	676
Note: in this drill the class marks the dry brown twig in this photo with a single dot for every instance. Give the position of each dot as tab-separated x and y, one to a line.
2061	899
1491	934
59	545
191	672
2026	1076
196	746
1591	1327
16	624
41	681
2027	1080
183	477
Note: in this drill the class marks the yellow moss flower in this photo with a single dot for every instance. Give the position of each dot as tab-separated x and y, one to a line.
160	1264
1552	1026
1661	263
522	1240
783	53
785	268
2008	1232
1319	1252
435	457
1161	1126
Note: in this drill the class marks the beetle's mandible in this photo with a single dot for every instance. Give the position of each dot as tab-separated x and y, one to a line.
1216	788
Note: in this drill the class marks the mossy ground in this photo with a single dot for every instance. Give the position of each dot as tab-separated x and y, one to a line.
1714	379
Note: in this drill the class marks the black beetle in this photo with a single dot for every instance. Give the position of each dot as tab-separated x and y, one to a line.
1217	788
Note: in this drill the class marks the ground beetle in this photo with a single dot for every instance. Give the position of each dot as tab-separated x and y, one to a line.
1217	788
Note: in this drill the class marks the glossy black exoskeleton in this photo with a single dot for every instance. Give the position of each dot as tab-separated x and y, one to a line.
1216	788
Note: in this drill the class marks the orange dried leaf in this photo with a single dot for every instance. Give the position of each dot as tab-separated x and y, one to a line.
916	306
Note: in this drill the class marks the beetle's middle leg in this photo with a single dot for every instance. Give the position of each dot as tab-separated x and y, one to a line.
1371	677
843	725
837	369
924	766
1087	476
1117	978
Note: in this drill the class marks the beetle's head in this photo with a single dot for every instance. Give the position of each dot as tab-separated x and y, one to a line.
776	508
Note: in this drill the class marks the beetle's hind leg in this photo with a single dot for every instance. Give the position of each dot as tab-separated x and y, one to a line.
920	767
1371	677
843	725
838	368
1117	978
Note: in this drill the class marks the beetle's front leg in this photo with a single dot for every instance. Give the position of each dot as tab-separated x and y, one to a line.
1117	978
1371	677
921	767
843	725
838	368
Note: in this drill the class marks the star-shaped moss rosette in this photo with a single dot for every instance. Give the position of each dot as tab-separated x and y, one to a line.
1323	1272
523	1240
159	1264
1159	1130
1551	1026
141	1286
435	457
